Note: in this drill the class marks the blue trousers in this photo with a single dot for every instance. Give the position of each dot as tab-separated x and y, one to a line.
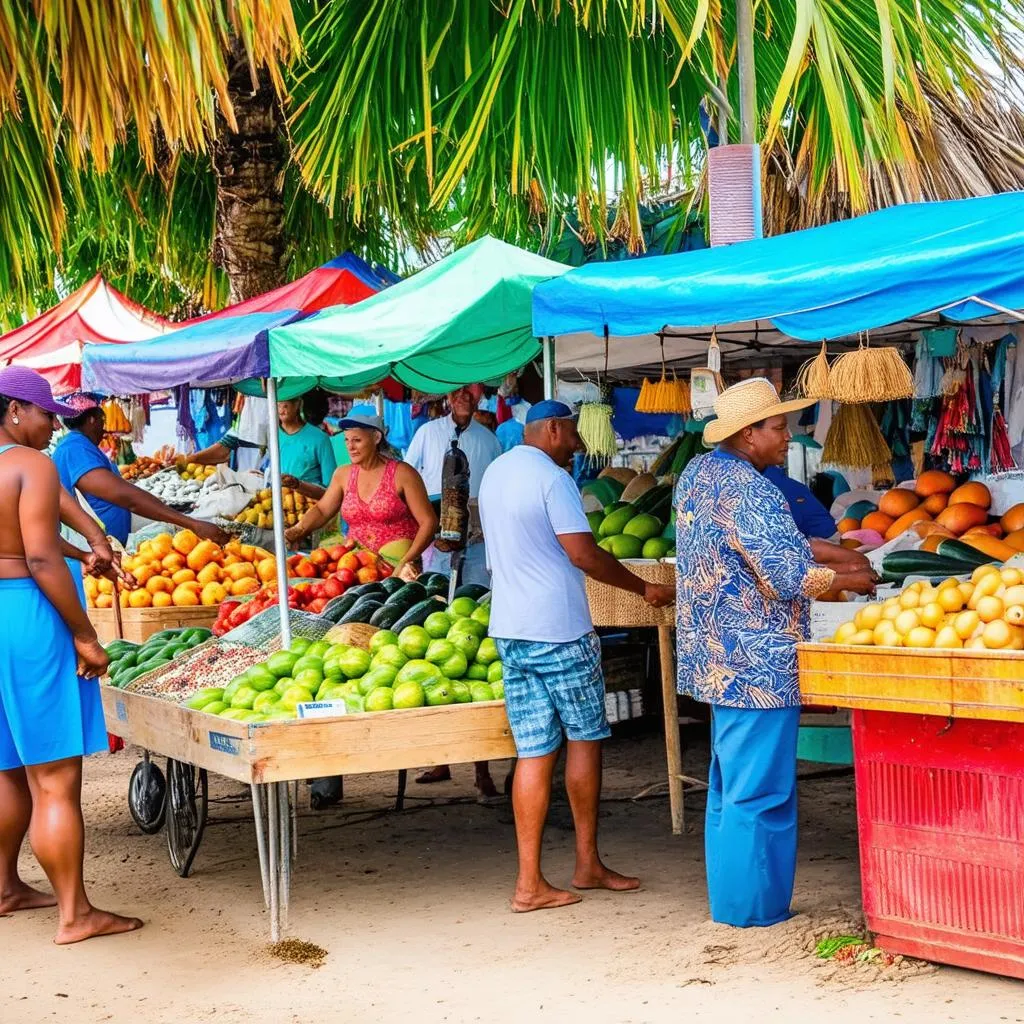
750	829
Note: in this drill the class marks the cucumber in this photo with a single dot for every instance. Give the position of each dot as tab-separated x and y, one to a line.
653	498
957	550
417	614
163	636
901	564
471	590
391	585
437	587
402	600
361	611
366	589
386	616
339	606
195	636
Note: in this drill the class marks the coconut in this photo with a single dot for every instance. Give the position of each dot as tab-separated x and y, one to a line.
641	485
623	474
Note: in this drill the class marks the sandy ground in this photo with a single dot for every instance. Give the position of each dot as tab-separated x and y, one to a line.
412	910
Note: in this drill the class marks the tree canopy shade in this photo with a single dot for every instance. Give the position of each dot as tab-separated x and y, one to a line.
465	318
833	281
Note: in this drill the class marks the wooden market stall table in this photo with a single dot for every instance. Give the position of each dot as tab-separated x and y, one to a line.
611	607
269	756
938	740
139	624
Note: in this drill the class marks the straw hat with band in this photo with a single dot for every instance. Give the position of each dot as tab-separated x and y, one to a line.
747	403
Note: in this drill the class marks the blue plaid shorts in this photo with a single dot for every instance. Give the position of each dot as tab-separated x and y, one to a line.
551	689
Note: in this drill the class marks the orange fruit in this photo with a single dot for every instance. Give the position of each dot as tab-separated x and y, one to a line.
950	599
990	609
910	598
906	621
161	599
920	636
140	599
932	615
184	541
997	635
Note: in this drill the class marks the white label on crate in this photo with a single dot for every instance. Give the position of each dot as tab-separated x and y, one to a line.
623	699
611	708
321	709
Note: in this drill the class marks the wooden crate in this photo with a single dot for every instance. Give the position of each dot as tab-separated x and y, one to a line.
610	606
951	684
141	623
311	748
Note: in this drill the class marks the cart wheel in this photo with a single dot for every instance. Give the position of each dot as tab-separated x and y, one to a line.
186	813
147	796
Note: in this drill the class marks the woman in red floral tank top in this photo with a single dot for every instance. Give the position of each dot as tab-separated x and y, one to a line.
380	497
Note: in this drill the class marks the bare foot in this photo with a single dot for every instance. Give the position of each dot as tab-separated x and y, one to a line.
24	897
94	924
442	773
488	791
604	878
545	898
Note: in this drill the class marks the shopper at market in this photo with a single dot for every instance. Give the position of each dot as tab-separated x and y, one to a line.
83	466
540	546
426	455
50	715
745	580
380	497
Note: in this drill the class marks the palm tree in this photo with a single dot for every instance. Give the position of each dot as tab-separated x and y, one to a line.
206	154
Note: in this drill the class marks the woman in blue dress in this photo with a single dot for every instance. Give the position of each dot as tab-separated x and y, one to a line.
50	659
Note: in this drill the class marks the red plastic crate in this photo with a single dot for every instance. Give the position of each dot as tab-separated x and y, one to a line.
940	808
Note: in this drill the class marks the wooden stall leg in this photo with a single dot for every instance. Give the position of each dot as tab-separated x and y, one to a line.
273	839
261	840
403	779
284	824
673	750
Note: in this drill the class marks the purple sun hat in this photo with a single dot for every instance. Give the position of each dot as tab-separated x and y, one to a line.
28	386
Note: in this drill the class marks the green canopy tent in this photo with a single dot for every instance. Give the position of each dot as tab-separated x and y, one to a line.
464	319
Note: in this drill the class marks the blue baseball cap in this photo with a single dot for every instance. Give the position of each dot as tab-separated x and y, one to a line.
549	409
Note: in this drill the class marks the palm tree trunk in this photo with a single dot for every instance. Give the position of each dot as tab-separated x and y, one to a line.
249	165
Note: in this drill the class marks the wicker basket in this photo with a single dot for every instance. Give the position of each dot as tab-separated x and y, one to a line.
610	606
355	634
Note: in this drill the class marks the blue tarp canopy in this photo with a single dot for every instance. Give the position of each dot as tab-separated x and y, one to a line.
893	271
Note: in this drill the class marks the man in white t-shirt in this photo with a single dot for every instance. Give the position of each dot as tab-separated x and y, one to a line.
539	546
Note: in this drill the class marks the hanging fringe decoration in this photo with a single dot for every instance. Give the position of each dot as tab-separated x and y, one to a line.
959	441
595	422
855	440
666	396
870	375
813	380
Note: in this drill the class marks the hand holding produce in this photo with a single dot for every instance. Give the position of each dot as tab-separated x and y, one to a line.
260	511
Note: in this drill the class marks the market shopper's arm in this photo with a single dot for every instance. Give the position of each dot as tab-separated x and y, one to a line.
110	487
323	511
215	455
604	567
39	518
308	490
837	557
413	492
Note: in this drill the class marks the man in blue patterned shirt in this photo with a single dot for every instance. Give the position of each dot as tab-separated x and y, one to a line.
746	576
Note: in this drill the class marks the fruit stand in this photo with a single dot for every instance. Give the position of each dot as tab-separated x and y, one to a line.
938	740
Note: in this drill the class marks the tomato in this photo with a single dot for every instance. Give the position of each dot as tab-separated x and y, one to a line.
319	556
346	577
317	606
293	560
366	558
368	574
332	587
306	569
332	567
385	569
349	561
337	552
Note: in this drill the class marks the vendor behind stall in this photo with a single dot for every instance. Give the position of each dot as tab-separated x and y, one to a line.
83	466
746	577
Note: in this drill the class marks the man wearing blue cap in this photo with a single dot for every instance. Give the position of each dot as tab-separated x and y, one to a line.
539	548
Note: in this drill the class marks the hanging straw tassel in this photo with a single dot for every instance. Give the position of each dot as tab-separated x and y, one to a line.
813	380
595	421
666	396
855	440
870	375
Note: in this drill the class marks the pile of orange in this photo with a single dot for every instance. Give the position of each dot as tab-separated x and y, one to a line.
185	571
983	613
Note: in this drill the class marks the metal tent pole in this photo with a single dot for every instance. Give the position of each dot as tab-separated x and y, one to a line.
273	838
280	551
261	839
748	78
548	350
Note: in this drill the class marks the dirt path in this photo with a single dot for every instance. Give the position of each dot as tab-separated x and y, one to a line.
412	910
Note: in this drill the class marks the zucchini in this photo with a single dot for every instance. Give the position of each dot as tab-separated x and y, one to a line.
417	614
404	599
958	551
386	616
921	563
391	585
471	590
437	587
361	611
652	498
163	636
366	590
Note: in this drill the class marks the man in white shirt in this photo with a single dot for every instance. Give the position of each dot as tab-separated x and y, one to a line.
539	547
426	455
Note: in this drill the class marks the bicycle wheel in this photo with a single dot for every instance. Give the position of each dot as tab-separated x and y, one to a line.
186	813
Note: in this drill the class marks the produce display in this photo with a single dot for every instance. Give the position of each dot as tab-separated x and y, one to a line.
128	661
141	468
446	658
936	509
260	511
185	571
172	488
632	520
345	560
984	612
